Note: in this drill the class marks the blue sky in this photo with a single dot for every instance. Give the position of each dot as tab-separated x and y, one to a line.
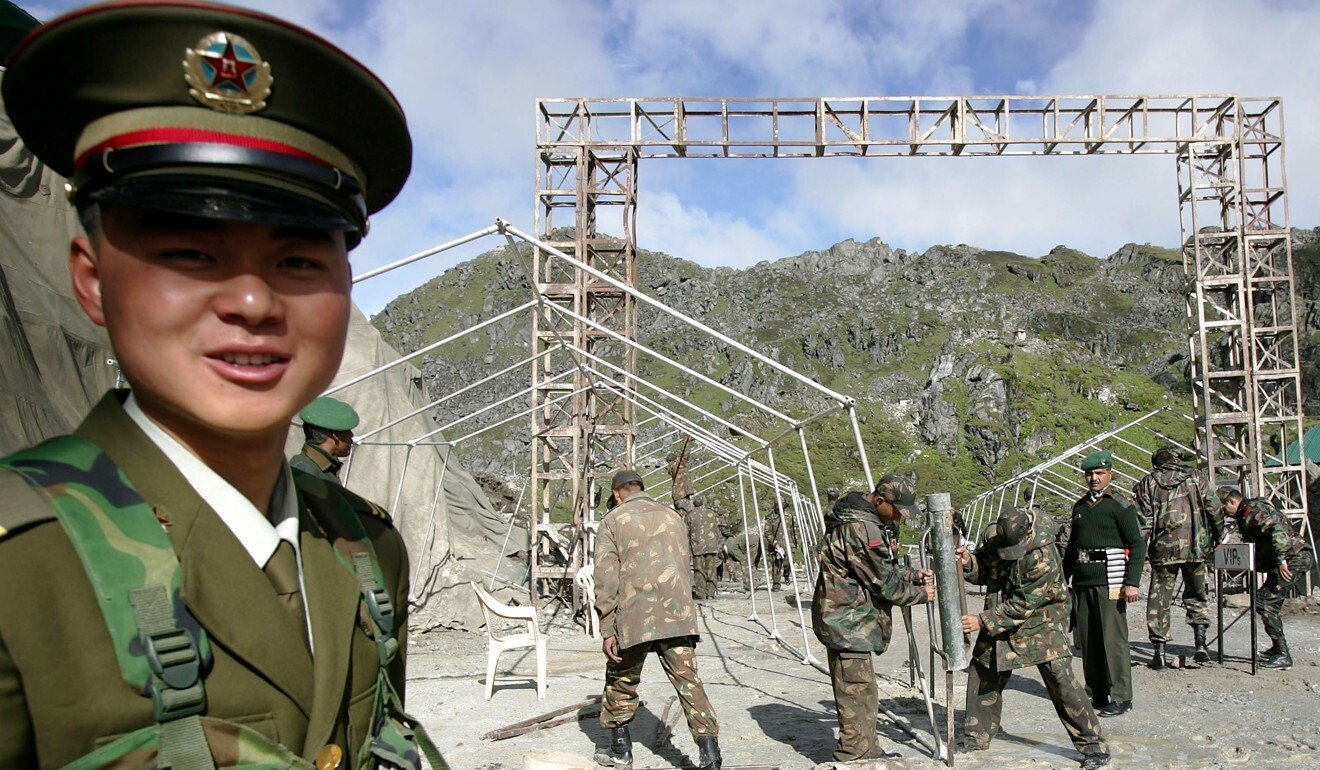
468	72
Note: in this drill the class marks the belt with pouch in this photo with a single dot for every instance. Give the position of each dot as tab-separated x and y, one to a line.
1091	556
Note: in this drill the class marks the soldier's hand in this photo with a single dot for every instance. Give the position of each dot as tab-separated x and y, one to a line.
1129	593
964	558
930	592
925	577
1285	572
971	623
610	646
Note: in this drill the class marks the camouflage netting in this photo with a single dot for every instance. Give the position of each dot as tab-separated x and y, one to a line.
54	364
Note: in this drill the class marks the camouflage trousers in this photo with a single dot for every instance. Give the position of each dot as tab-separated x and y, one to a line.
1159	609
703	575
1103	632
1269	597
857	702
985	703
678	656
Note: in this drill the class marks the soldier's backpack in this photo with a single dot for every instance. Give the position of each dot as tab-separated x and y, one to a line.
163	652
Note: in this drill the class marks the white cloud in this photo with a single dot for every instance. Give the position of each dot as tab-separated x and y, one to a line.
709	238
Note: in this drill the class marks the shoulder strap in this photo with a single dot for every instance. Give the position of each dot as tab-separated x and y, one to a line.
162	650
396	736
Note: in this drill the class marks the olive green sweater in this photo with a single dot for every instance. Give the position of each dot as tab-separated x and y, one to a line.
1109	522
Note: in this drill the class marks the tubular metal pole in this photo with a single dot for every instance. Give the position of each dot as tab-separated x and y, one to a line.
788	551
430	522
765	558
394	509
507	534
427	253
747	544
811	475
861	447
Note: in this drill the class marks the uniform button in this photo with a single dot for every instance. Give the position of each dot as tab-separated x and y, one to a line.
329	757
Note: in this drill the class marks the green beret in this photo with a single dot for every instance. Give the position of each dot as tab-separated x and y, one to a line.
1100	458
329	413
201	109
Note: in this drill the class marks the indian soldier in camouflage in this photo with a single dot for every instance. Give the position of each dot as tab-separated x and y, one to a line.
1024	623
676	464
1179	530
1103	560
860	581
1282	553
644	597
777	557
704	537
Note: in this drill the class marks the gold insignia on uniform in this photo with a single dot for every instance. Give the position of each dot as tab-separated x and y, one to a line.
225	72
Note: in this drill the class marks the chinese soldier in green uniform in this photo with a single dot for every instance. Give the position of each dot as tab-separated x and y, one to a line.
1024	623
860	582
328	425
644	597
1281	553
243	612
1103	559
1180	528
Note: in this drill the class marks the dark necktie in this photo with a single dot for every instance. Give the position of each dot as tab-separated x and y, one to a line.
282	570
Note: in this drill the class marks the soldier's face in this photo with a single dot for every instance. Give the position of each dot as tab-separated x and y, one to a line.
1232	505
887	510
1099	478
222	328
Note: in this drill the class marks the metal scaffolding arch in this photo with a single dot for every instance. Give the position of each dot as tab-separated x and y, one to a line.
1229	153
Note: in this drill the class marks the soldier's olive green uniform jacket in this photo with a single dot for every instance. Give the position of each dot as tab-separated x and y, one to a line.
61	689
314	460
1110	521
643	573
704	531
860	581
1270	531
1176	520
1025	619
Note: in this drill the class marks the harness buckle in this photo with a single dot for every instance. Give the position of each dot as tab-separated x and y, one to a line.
177	687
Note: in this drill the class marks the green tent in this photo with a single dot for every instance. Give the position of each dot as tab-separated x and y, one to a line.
1310	441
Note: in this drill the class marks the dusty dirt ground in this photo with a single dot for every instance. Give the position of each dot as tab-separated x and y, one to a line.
774	710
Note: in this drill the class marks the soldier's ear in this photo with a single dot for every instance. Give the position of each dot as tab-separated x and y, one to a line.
85	274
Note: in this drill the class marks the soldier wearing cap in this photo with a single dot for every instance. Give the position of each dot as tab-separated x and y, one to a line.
860	582
1281	553
1103	560
328	425
221	185
644	597
1180	528
1024	623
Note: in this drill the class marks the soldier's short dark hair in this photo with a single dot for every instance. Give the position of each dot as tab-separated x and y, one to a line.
315	434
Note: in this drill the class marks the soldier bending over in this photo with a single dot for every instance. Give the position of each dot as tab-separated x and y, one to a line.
1024	624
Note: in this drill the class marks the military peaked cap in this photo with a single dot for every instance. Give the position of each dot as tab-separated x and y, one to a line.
329	413
900	491
1098	459
206	110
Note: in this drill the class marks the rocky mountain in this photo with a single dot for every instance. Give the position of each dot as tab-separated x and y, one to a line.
968	364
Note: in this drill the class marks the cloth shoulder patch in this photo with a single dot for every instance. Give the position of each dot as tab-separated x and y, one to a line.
875	537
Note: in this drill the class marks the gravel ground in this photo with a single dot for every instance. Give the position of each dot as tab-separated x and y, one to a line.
774	710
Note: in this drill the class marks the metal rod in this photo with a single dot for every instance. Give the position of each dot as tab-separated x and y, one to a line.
426	253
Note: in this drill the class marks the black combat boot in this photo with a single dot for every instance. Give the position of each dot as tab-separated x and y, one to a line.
1094	761
710	758
1157	660
1202	654
1270	651
620	752
1280	659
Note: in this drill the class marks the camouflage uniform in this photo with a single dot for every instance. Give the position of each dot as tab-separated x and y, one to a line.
644	597
704	537
1024	623
860	581
318	462
1173	513
677	466
1276	541
1105	552
774	547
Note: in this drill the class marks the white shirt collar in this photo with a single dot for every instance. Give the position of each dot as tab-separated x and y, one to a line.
257	533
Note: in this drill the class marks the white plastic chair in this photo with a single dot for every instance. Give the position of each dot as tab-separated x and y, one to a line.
586	582
493	609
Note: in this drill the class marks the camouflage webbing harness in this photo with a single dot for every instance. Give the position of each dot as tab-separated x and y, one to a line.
163	651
